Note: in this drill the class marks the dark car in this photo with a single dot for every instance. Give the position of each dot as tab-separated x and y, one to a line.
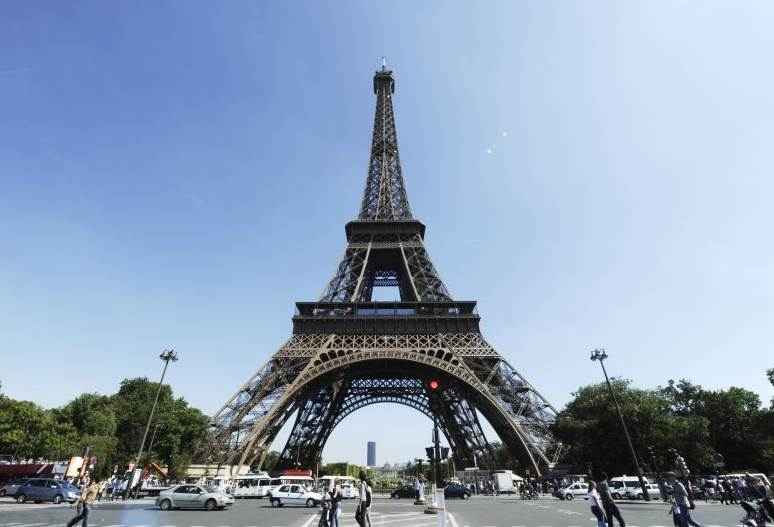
38	490
404	491
455	490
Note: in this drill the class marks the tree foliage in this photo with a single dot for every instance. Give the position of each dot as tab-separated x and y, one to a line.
110	426
707	427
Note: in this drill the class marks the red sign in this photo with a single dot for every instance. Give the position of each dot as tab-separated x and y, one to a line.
297	472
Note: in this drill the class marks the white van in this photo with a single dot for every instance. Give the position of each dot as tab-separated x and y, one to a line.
621	485
252	485
348	486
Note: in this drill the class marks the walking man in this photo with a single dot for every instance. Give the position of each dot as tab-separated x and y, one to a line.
362	515
681	500
611	509
335	497
87	497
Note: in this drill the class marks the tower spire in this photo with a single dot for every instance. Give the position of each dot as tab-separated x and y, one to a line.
385	193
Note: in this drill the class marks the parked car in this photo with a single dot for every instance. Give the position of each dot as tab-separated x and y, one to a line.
404	491
636	493
456	490
193	497
53	490
571	491
10	488
294	495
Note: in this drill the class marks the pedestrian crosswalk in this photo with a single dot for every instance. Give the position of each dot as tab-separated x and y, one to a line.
400	519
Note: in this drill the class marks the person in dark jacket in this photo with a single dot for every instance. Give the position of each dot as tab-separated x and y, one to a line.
611	509
335	498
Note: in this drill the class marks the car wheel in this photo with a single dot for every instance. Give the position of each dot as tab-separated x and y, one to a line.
58	499
21	498
165	505
310	503
638	497
210	505
2	493
279	502
569	497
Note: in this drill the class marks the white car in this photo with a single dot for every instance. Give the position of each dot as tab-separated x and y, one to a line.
576	489
193	497
294	495
636	493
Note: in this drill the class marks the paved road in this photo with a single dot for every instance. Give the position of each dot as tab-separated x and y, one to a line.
548	512
477	512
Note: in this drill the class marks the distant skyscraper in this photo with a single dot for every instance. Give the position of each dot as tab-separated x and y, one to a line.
371	457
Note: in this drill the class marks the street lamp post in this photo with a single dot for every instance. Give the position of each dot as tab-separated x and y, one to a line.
153	439
601	355
167	356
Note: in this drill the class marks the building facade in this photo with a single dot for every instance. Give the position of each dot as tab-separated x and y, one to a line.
371	454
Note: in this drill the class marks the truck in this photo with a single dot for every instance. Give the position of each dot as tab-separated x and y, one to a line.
503	481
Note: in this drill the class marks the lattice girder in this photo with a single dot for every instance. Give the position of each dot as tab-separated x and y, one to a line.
503	400
315	373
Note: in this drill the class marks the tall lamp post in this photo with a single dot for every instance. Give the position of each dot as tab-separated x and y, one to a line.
600	355
167	356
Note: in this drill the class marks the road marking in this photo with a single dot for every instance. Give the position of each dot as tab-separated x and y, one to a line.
385	522
309	520
452	521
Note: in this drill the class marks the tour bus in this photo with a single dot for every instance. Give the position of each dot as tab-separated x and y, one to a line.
252	485
348	485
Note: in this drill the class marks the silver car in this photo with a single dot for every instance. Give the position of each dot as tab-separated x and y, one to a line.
193	497
10	488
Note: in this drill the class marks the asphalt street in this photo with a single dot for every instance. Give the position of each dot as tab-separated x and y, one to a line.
477	512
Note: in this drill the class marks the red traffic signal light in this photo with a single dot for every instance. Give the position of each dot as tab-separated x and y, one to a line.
434	384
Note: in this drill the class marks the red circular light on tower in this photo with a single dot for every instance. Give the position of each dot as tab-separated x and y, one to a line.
434	384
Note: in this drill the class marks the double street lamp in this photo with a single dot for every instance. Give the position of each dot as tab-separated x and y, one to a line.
600	355
167	356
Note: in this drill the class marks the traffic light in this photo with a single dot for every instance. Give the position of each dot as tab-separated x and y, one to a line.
434	384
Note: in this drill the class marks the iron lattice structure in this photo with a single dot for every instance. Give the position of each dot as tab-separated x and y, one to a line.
348	352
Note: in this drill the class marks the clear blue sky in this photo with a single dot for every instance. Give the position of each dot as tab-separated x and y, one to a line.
179	174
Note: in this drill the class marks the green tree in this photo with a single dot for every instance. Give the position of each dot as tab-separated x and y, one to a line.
591	428
91	414
27	431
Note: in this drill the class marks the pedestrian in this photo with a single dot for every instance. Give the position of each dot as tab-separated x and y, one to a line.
87	497
594	502
362	515
335	498
728	492
682	500
102	490
611	509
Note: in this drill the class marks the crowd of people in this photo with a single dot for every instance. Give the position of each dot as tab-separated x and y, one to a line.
732	490
331	510
679	494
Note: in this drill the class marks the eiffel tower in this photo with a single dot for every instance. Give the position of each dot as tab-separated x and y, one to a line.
347	352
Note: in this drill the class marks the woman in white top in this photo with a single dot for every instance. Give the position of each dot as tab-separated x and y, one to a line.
596	504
